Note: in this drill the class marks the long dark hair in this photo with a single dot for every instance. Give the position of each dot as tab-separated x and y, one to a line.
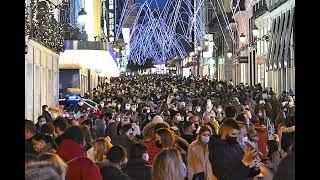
48	139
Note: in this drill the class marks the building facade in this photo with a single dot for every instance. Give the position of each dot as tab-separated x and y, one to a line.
41	57
275	54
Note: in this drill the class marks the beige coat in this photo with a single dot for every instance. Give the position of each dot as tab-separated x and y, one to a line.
198	160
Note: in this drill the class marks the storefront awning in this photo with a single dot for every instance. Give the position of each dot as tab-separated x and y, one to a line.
97	60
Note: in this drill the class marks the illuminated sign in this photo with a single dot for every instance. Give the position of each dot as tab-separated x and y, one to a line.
111	20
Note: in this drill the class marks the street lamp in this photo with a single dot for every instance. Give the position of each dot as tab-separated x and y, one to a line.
229	54
242	38
255	31
82	16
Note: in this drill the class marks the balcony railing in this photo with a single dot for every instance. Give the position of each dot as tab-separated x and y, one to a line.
260	8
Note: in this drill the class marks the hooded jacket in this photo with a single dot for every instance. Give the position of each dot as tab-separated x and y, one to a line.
79	166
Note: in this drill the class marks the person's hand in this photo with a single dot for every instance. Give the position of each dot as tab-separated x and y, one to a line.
107	139
249	155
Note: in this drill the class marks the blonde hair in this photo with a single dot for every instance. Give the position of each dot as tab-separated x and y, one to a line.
103	146
168	165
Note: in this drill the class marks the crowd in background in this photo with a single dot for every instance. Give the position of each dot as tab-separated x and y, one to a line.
163	127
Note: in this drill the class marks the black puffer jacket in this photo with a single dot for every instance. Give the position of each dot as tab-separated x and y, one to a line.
226	160
138	169
111	172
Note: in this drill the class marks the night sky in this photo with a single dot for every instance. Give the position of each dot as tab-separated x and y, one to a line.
160	3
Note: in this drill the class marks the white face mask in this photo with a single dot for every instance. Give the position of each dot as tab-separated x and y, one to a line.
127	106
245	139
219	110
148	110
81	103
145	156
208	109
264	96
41	123
133	108
178	118
290	104
118	119
46	109
119	106
205	139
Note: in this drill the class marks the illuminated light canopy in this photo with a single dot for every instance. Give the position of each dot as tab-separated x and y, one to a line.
154	33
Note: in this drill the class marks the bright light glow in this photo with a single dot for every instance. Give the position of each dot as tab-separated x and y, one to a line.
96	60
90	20
207	54
82	19
242	38
126	35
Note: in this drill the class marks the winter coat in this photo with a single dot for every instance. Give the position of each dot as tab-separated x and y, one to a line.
138	169
79	166
109	172
262	140
198	160
47	115
153	150
112	129
226	159
124	141
29	147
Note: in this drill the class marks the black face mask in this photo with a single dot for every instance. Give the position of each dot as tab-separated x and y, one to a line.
158	144
231	140
196	126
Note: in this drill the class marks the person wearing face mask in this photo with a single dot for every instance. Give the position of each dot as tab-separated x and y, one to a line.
226	156
127	108
137	167
199	165
198	112
291	108
177	122
188	133
80	107
112	168
112	125
46	114
41	121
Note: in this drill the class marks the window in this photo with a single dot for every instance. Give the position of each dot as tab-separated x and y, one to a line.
209	15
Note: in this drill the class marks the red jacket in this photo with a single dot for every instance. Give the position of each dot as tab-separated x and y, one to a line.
79	166
153	150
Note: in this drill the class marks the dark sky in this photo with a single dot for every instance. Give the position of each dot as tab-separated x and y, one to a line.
160	3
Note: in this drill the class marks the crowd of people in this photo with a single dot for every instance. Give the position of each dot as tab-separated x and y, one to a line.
161	127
